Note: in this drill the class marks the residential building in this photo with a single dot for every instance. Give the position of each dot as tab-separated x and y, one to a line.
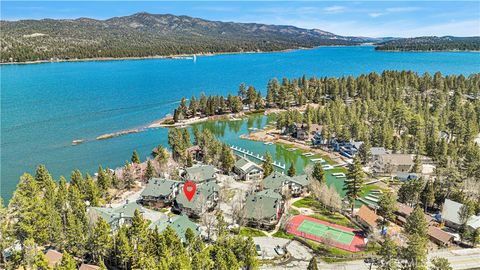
393	163
367	217
263	209
279	182
404	211
160	192
451	216
200	173
179	224
300	131
120	215
204	200
248	170
53	257
439	236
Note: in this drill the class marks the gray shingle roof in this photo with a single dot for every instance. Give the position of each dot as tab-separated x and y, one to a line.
203	191
179	224
275	180
201	173
262	205
246	165
112	214
157	187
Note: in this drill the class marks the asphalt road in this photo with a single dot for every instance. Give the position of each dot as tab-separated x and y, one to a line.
460	259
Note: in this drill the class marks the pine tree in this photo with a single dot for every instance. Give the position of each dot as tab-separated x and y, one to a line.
354	183
312	265
227	158
440	264
100	242
388	255
387	205
364	152
42	176
318	173
150	171
123	252
103	180
67	263
428	195
417	164
291	171
416	223
267	165
135	157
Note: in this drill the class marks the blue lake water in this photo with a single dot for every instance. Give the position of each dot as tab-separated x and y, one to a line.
46	106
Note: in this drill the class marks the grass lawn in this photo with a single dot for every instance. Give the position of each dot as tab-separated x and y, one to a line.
308	202
282	234
335	218
244	231
293	212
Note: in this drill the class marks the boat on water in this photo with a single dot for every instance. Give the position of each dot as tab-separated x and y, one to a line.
317	160
292	149
308	154
339	175
268	143
76	142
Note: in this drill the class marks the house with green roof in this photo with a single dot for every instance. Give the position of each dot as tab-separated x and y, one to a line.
204	200
296	185
120	215
160	192
263	209
248	170
179	224
200	173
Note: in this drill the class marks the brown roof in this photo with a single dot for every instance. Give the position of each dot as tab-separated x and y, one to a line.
437	234
404	210
367	215
397	159
53	257
85	266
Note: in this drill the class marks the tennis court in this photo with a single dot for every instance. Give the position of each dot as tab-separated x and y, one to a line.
324	231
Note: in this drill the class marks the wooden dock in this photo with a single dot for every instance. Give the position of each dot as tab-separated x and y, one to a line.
257	156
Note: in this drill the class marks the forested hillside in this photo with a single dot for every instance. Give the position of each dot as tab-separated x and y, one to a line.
145	34
446	43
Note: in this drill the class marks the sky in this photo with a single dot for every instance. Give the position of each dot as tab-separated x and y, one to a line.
355	18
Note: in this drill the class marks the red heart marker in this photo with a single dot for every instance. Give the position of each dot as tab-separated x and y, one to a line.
189	189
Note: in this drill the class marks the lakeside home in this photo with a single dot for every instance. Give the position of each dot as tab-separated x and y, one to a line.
120	215
200	173
282	183
451	216
263	209
393	163
179	224
248	170
160	192
204	200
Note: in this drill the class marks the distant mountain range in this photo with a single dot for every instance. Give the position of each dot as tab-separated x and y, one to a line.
432	43
145	35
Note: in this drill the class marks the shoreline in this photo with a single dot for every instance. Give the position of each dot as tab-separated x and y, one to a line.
161	123
171	56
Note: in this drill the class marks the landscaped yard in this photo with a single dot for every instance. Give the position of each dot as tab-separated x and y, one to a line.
335	218
244	231
282	234
308	202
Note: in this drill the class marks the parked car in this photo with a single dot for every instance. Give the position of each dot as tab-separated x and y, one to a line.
259	250
279	250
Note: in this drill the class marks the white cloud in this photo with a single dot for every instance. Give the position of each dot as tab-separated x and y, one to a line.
402	9
375	14
334	9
